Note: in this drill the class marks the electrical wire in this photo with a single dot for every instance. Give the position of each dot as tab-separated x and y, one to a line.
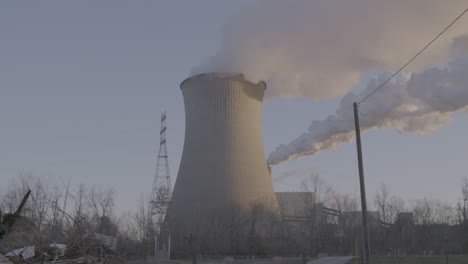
415	56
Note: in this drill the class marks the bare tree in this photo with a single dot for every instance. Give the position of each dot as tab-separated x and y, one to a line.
344	202
423	212
142	218
322	195
101	201
382	203
396	206
388	206
348	224
462	205
322	191
46	219
101	204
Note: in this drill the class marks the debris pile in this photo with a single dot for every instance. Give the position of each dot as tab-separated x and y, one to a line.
89	248
22	242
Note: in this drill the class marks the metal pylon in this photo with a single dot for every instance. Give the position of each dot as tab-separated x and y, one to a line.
161	192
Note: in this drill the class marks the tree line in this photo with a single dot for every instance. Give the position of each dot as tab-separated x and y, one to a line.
58	212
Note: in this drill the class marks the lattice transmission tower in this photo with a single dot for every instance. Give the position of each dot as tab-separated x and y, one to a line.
161	192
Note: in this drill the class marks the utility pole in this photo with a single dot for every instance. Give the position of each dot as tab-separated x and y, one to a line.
365	229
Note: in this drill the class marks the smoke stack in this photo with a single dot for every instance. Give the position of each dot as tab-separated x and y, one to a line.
223	162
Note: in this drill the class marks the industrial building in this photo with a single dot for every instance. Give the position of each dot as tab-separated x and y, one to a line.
296	204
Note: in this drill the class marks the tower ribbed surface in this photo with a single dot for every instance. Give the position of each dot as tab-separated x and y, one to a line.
223	162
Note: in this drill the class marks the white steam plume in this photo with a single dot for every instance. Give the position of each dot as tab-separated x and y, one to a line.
321	48
414	102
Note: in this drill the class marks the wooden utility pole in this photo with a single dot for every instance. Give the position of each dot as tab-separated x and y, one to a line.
365	229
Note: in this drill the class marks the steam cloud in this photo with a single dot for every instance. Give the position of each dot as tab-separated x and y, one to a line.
322	48
414	102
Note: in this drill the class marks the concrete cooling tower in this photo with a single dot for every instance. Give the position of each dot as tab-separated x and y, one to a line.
223	162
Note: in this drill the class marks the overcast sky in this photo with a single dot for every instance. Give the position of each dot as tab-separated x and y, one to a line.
83	83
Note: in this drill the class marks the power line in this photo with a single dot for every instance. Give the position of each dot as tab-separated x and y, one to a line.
414	57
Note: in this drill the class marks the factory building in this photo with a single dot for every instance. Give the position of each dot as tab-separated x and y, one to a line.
296	204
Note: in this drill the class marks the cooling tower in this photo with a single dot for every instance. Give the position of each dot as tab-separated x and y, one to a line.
223	162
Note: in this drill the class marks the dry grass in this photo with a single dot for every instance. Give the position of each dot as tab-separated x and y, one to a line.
452	259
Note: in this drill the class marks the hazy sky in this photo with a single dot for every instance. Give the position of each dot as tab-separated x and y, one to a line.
83	83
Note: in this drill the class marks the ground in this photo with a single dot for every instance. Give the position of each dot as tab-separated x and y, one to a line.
332	260
452	259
